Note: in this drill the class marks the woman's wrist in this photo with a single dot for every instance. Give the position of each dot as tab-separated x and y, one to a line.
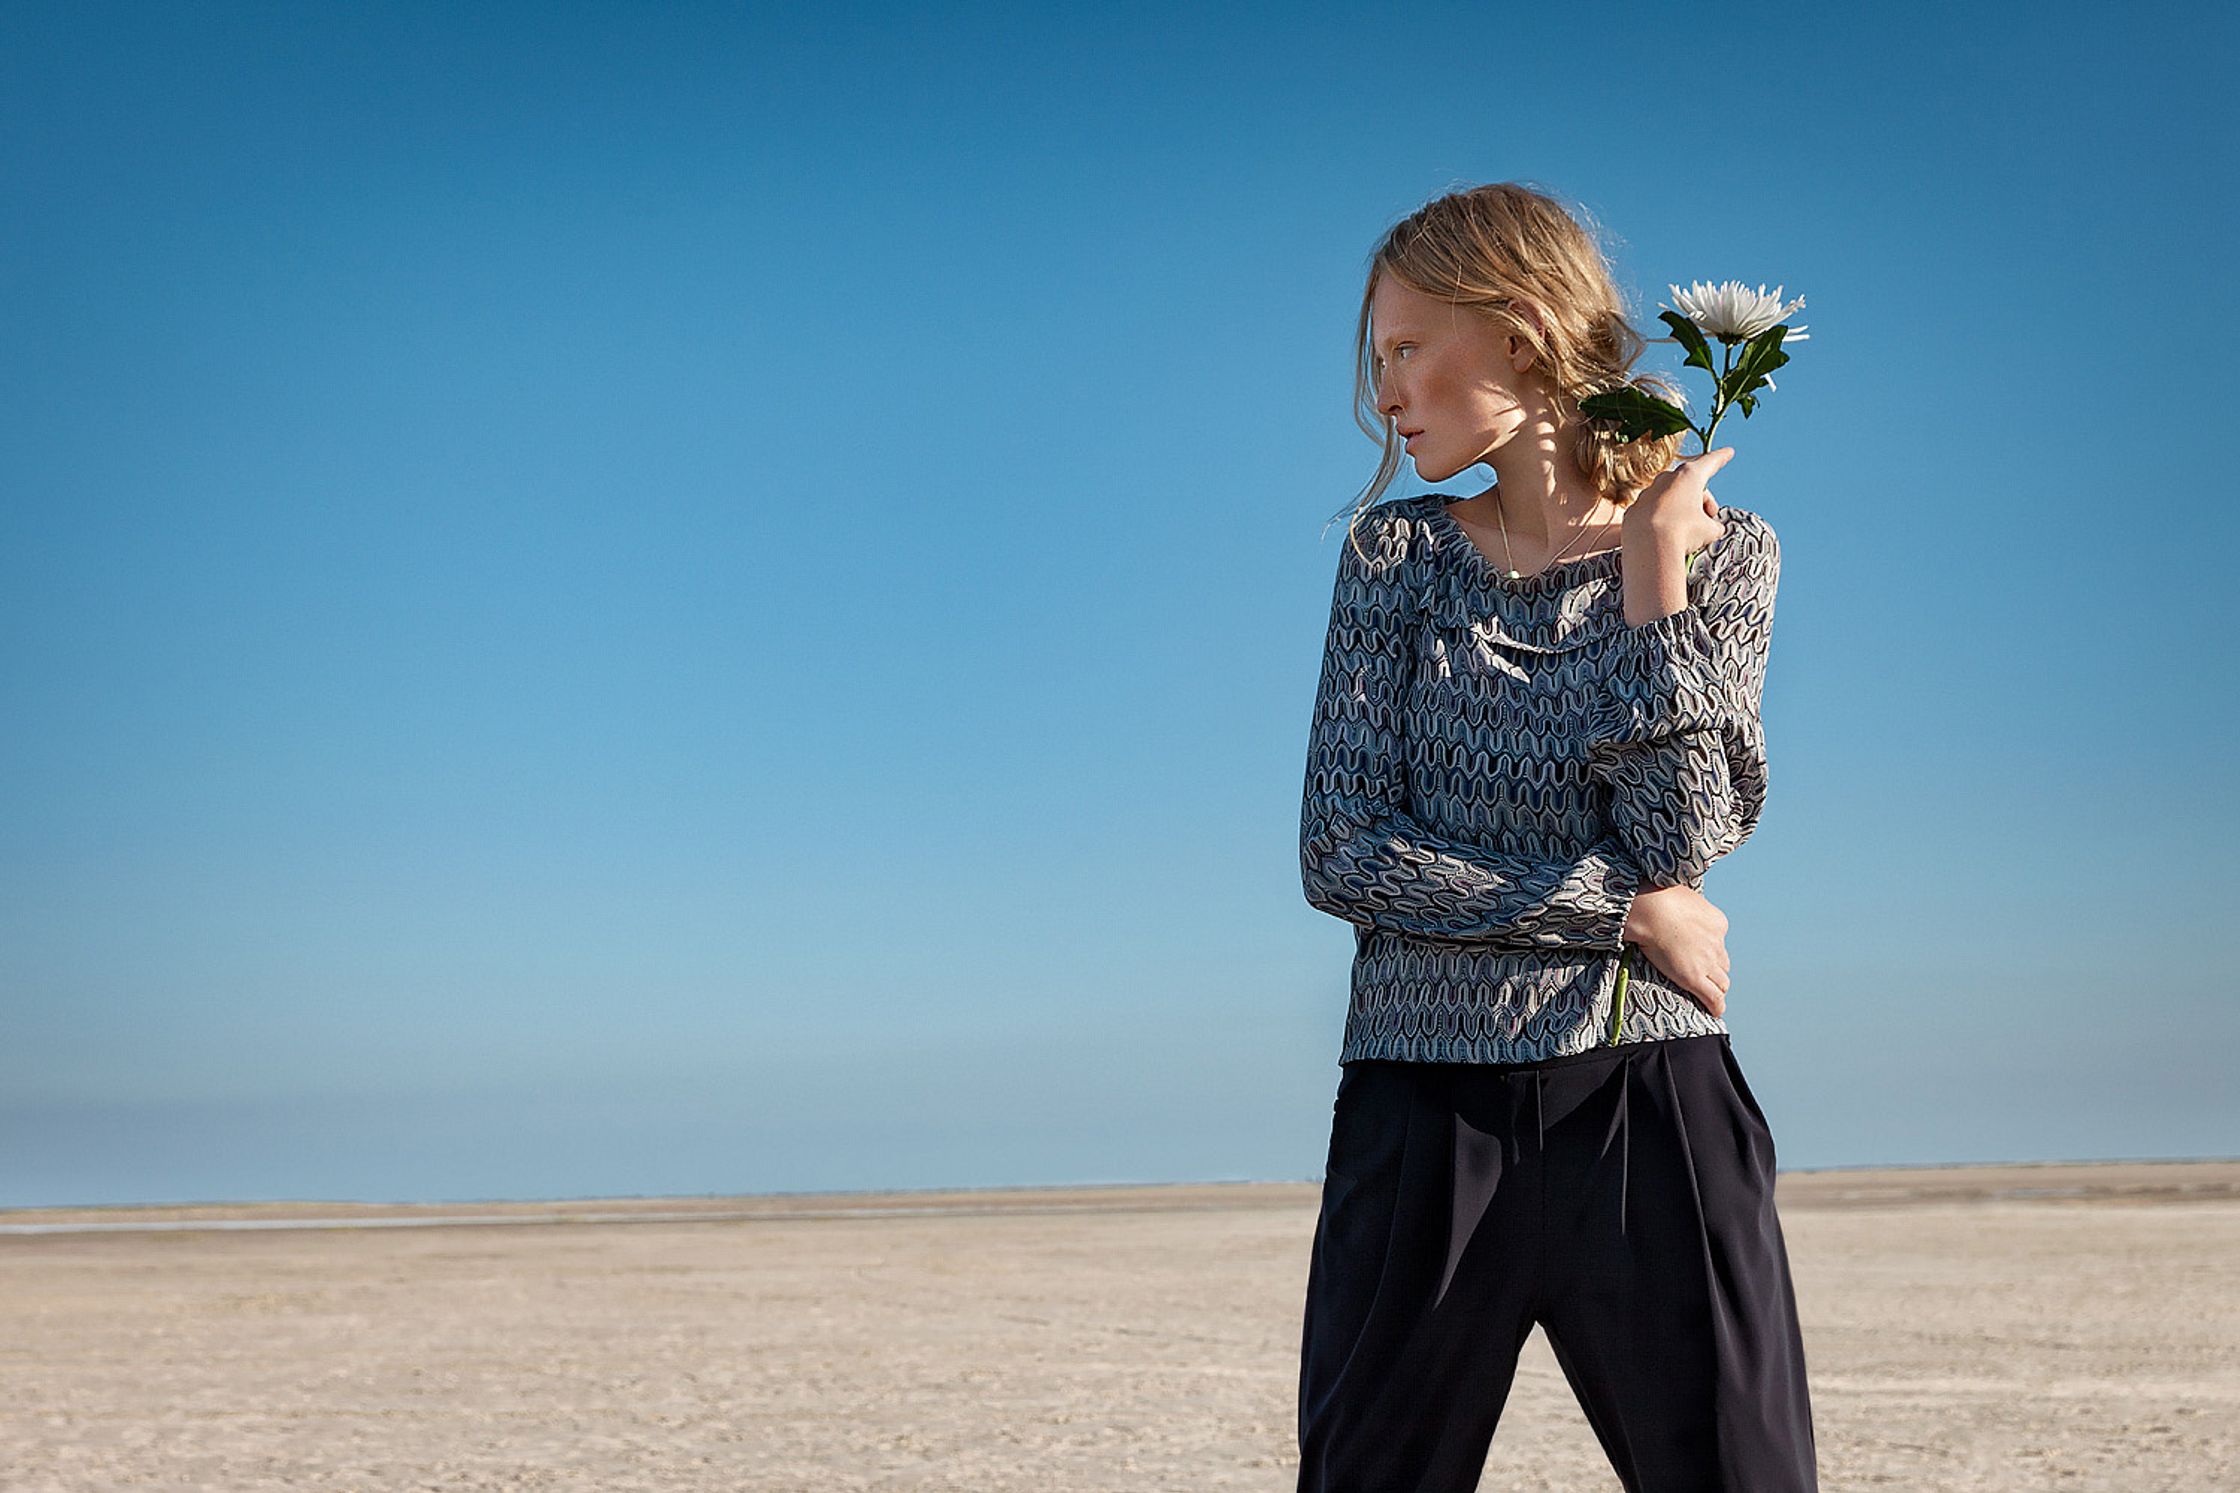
1655	567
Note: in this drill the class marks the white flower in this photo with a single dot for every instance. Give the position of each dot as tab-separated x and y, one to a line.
1733	311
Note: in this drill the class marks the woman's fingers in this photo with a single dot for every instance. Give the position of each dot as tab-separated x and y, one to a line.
1700	469
1710	990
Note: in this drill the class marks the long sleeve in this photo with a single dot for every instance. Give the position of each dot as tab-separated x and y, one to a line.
1676	732
1361	856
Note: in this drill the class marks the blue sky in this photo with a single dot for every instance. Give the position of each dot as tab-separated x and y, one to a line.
606	599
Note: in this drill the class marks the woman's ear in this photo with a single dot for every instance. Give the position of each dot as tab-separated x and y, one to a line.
1526	312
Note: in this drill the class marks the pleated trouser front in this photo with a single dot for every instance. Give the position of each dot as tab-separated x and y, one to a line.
1621	1198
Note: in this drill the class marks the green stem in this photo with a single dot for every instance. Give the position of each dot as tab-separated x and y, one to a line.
1618	997
1718	395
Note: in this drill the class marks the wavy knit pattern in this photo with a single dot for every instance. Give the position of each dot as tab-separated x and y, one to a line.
1497	767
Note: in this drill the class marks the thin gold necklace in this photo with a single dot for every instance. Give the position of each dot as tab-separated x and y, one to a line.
1553	560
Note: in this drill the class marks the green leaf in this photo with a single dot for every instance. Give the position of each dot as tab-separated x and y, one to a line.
1638	413
1690	336
1761	355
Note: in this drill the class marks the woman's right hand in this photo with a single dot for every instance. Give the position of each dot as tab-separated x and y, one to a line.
1685	937
1677	504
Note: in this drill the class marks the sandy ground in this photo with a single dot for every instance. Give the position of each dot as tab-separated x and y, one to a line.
2050	1327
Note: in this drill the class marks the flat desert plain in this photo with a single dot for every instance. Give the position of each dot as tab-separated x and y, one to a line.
2011	1327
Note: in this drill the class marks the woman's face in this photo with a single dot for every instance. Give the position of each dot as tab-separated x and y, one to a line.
1446	374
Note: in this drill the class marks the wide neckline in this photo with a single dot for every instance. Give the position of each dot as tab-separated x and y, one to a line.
1489	570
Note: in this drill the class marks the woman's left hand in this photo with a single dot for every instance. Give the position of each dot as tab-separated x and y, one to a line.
1676	510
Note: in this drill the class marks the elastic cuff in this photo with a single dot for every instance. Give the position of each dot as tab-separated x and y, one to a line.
1620	887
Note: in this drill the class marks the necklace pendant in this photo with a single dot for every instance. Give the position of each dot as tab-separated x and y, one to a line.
1514	575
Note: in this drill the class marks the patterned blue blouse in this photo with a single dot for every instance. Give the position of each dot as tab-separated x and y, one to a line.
1496	767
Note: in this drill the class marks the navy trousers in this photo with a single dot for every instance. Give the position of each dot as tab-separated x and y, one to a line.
1622	1199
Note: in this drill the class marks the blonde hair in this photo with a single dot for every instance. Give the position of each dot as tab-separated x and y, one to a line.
1489	248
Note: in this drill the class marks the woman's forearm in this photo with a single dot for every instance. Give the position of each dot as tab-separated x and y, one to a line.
1656	576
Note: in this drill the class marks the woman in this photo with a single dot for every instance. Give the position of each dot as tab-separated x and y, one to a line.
1536	727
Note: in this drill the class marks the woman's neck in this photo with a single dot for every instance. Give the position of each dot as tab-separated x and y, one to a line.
1541	502
1548	526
